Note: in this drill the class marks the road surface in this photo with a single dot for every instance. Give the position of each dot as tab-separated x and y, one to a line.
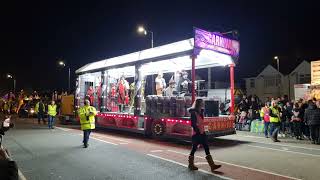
58	154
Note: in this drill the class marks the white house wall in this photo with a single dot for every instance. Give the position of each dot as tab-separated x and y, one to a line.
286	86
302	68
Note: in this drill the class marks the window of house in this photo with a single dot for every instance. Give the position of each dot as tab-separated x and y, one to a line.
252	83
304	78
271	81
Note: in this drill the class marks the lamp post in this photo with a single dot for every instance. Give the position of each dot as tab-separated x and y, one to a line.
277	58
9	76
142	30
61	63
278	67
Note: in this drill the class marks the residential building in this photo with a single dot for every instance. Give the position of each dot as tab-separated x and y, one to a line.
272	83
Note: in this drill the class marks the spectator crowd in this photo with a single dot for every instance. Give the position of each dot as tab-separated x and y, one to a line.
282	118
11	103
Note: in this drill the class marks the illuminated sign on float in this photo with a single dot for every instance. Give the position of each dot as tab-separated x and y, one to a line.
215	42
315	72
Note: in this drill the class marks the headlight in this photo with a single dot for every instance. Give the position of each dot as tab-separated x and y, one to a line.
31	111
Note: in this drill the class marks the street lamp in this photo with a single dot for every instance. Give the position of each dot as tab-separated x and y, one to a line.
9	76
142	30
279	81
61	63
277	58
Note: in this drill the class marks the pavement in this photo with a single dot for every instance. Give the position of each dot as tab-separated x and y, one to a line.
58	154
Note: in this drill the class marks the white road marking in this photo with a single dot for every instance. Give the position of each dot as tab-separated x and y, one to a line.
245	167
309	148
284	148
104	141
307	154
250	136
156	151
21	176
108	137
63	129
201	163
123	143
184	165
97	135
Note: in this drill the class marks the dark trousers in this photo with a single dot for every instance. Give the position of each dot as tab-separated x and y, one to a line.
86	135
283	126
41	117
266	128
305	130
291	128
274	129
199	139
297	128
315	133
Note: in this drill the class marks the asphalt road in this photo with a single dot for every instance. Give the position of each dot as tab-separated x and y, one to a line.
58	154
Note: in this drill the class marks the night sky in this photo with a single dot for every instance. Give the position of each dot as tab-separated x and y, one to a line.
35	35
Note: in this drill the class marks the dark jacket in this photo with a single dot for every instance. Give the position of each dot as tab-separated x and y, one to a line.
243	106
300	115
254	106
289	110
194	120
312	115
8	170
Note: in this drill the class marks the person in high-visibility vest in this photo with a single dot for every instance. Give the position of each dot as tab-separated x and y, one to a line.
274	121
87	115
52	112
40	109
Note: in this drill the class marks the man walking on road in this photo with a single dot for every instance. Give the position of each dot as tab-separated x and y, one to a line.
312	118
274	121
87	120
39	109
52	112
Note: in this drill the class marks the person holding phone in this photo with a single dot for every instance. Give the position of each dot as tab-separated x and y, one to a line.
87	115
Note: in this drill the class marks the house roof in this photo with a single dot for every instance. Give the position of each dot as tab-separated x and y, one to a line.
290	68
263	69
271	70
303	63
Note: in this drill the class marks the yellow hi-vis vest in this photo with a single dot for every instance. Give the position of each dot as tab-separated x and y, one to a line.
36	108
87	120
274	111
52	110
